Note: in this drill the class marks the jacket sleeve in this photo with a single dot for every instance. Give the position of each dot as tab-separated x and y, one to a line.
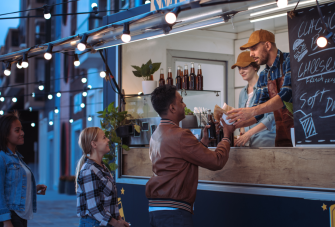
268	120
196	153
4	211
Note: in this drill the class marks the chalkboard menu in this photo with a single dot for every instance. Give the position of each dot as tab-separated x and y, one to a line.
313	76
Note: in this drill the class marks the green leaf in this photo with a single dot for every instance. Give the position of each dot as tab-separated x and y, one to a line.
137	68
125	147
155	67
145	71
289	106
113	166
110	106
137	74
149	62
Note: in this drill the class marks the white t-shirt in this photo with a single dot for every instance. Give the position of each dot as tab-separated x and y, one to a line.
249	99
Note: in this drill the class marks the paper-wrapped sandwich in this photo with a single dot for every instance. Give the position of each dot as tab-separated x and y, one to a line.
222	113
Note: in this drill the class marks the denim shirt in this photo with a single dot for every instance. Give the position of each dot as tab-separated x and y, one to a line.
265	138
13	185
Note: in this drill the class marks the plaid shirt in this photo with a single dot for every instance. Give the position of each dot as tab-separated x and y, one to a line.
285	92
96	193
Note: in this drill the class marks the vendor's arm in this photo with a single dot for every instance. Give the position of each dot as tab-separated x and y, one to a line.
4	211
241	141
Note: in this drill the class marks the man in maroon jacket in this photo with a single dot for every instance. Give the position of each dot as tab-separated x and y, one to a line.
176	154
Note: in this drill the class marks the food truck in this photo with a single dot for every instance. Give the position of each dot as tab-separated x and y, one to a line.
260	186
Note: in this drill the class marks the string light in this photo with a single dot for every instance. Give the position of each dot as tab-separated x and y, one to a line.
83	79
47	14
125	37
32	124
48	53
41	86
59	94
33	94
82	44
56	110
30	109
1	112
103	74
25	63
19	64
14	99
2	99
51	122
322	41
171	17
50	96
7	71
76	60
89	118
89	86
82	105
84	93
71	121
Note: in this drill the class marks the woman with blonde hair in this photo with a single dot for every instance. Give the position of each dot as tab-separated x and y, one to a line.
96	190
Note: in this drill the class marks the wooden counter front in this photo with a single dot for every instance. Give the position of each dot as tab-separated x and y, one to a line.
303	167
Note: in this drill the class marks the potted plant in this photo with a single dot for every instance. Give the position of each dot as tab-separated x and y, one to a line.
146	71
118	127
61	185
70	185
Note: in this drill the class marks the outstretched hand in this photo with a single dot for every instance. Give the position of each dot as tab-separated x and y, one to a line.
240	114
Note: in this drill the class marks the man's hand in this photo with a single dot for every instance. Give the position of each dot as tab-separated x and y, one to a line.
242	140
227	129
205	139
41	188
240	114
8	223
242	131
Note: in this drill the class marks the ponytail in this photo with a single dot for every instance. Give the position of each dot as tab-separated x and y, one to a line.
85	138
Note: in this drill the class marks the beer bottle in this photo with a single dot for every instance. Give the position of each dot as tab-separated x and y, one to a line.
169	79
185	78
200	79
178	78
161	79
191	78
211	130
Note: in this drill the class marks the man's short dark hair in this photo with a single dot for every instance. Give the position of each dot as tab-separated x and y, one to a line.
162	97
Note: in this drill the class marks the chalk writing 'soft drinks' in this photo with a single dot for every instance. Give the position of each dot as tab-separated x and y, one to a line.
178	78
169	79
185	78
192	78
161	78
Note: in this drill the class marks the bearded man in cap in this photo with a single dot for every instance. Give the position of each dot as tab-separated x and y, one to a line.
273	87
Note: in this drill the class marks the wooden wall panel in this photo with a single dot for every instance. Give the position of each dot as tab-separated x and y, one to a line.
306	167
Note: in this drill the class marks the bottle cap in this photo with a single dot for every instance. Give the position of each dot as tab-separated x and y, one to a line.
185	67
169	69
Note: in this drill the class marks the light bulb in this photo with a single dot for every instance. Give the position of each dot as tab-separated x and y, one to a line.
94	5
321	41
7	72
47	16
30	109
89	86
50	96
76	63
89	118
47	56
51	122
56	110
84	80
71	121
125	38
102	74
59	94
170	18
81	46
18	65
32	124
281	3
82	105
2	99
84	93
14	99
25	64
41	87
147	2
33	94
1	112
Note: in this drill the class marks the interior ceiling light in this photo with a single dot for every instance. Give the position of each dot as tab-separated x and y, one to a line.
269	17
25	63
82	44
76	60
259	6
282	3
125	37
7	71
46	12
48	53
19	64
171	17
40	86
59	94
103	74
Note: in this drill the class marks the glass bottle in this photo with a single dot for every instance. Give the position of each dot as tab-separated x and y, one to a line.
178	79
185	78
211	130
200	79
169	79
161	78
191	78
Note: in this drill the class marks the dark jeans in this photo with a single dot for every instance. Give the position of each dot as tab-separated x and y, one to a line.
169	218
16	220
89	222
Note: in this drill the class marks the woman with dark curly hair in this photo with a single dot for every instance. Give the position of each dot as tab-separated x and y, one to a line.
17	183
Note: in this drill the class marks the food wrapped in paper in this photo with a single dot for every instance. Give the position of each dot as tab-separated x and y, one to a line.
222	113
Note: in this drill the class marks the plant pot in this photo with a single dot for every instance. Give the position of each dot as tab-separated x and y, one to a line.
125	131
292	137
148	87
61	186
70	188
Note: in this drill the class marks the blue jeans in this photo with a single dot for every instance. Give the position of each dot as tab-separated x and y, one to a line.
171	218
87	221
